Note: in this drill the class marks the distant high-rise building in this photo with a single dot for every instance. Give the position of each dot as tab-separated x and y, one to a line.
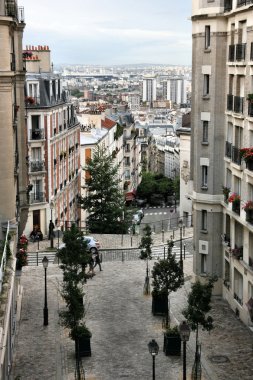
149	89
174	89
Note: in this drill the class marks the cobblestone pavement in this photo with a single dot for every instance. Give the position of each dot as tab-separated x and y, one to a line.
121	322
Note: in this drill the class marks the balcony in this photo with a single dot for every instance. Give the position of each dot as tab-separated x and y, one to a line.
240	52
36	134
238	104
228	149
228	5
236	156
37	166
249	216
241	3
37	197
231	53
237	253
230	101
11	9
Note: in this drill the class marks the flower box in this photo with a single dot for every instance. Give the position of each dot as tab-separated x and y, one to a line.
247	156
249	165
159	304
172	342
249	216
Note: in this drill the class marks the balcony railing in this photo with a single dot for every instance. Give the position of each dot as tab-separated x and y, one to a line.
230	101
36	134
237	298
37	166
251	51
231	53
250	109
228	149
236	207
236	156
11	8
37	197
238	104
240	52
241	3
228	4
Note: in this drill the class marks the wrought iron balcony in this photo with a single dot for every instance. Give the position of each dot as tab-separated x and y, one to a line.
236	156
240	52
230	101
37	134
238	104
228	149
37	166
250	109
231	53
241	3
228	5
11	8
37	197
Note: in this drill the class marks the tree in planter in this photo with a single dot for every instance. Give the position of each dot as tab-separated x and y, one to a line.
104	201
199	300
146	254
74	258
167	277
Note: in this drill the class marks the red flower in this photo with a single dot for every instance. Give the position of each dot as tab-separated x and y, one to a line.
234	198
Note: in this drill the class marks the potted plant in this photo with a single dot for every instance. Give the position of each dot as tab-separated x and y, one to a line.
172	341
226	191
82	335
247	156
248	208
235	199
146	254
167	277
21	256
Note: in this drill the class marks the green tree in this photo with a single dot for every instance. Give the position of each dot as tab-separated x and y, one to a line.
74	258
147	187
146	254
104	202
199	300
167	277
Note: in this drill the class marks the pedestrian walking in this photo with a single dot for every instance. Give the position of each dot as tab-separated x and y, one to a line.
97	261
91	266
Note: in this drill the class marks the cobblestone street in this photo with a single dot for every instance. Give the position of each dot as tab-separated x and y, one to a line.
121	322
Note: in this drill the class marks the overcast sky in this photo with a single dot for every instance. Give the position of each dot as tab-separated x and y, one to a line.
111	31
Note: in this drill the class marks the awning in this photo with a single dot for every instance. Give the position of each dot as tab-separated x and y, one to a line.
130	195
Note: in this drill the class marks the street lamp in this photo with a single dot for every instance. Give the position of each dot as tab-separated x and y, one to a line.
185	331
153	349
181	225
51	226
175	200
45	310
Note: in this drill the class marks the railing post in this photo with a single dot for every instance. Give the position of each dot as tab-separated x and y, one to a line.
37	258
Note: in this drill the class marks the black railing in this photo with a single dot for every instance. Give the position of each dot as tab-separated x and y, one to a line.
240	52
228	149
236	156
36	134
228	4
251	51
37	197
241	3
230	101
37	166
236	207
231	53
250	109
238	104
11	8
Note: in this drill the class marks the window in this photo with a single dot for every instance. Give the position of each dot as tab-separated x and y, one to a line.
204	176
207	36
204	220
205	132
203	263
238	287
228	178
206	84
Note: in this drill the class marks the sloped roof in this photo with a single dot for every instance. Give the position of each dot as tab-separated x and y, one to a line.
108	123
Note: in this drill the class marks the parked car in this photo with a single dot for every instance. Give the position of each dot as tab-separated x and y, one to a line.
93	244
137	217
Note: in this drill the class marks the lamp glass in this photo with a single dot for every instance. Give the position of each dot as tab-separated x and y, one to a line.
153	347
51	205
185	331
45	262
180	223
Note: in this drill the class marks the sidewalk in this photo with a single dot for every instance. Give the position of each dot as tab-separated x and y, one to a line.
121	322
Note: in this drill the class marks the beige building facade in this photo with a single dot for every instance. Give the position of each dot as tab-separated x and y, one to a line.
222	124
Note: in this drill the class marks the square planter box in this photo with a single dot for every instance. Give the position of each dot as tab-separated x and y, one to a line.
249	216
236	207
172	345
159	304
84	346
249	165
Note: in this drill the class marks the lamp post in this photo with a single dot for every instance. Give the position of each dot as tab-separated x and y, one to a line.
153	349
185	331
175	200
51	226
45	310
181	225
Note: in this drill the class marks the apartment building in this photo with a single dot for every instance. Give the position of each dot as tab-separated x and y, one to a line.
13	169
222	125
53	145
174	89
149	89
